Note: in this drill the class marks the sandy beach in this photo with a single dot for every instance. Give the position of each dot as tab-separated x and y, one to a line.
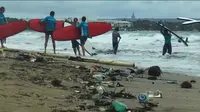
31	86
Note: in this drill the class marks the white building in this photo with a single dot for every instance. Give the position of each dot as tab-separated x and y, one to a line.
117	23
121	24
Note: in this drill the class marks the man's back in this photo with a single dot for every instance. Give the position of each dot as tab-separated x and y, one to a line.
115	36
84	28
50	23
2	19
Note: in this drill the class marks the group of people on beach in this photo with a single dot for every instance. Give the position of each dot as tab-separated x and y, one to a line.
50	27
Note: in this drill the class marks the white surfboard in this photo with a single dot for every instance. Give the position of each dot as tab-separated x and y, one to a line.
191	22
184	18
89	47
188	20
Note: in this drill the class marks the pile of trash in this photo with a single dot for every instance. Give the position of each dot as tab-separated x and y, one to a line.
101	89
32	57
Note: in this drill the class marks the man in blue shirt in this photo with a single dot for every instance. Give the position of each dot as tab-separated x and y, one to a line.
50	27
84	33
2	21
75	44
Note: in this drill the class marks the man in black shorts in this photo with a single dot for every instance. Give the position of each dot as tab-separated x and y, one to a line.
50	27
84	33
75	45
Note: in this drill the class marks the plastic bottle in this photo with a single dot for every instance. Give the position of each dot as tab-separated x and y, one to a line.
119	107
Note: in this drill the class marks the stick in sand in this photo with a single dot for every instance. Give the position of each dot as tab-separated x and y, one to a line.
85	49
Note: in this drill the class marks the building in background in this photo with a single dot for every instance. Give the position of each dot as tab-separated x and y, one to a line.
123	25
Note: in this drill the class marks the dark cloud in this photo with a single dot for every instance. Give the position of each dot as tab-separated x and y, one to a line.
102	9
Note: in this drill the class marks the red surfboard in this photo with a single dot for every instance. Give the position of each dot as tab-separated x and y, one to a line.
35	25
12	28
72	32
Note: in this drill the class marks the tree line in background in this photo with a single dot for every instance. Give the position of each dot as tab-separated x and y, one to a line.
149	25
174	26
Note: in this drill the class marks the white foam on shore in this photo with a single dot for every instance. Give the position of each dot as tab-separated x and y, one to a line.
141	47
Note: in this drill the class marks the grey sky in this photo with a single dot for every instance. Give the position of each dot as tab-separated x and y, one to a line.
103	9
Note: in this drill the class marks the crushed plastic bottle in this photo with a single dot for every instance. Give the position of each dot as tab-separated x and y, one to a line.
118	106
143	97
100	89
172	82
99	77
149	95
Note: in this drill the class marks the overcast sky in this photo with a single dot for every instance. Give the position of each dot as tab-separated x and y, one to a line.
103	9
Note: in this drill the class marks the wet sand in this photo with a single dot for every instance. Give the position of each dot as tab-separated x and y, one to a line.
27	87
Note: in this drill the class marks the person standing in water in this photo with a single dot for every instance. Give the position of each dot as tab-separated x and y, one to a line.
115	41
75	44
167	46
50	27
84	33
2	21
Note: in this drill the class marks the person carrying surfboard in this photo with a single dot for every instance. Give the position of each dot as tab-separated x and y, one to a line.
167	46
3	20
50	26
75	44
84	33
115	41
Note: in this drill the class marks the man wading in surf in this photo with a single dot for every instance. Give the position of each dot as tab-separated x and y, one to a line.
50	27
84	33
167	46
75	44
115	41
2	21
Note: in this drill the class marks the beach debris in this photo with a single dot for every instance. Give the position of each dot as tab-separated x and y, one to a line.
154	71
32	57
100	89
152	78
186	84
85	96
148	96
118	106
97	68
172	82
157	94
38	80
3	54
140	71
99	77
136	70
93	69
119	85
102	102
56	83
75	58
129	77
124	95
80	67
39	59
193	81
145	99
64	110
120	94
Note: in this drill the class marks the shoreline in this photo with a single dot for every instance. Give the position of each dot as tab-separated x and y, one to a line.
28	86
63	55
